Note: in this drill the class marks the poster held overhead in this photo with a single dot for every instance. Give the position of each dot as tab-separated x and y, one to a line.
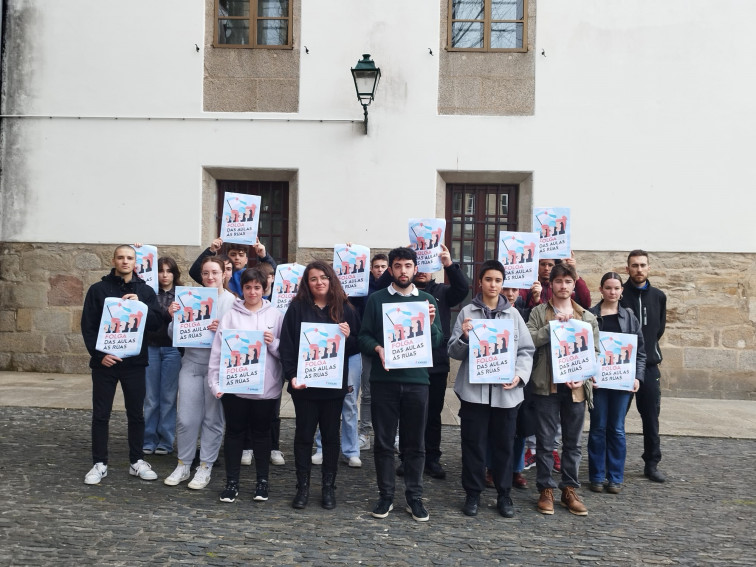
352	265
240	218
518	252
554	226
426	237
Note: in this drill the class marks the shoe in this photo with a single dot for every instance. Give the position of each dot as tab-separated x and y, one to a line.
597	487
277	458
505	506
572	502
435	470
147	451
416	509
382	508
98	472
247	455
614	488
261	490
328	492
489	479
557	462
317	459
364	443
162	451
201	477
231	491
546	501
396	444
519	480
303	491
354	462
472	501
182	473
143	470
400	469
529	460
654	475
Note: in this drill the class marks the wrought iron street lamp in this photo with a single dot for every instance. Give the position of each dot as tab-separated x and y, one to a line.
366	76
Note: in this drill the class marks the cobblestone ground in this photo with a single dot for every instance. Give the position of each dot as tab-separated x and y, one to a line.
704	515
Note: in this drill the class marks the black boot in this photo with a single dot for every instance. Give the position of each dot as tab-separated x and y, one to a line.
329	495
303	491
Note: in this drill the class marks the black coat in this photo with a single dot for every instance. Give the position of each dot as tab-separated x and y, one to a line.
650	307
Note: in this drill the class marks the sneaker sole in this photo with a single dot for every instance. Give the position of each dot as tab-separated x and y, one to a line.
377	515
197	486
229	500
136	474
573	511
171	482
260	499
277	463
417	519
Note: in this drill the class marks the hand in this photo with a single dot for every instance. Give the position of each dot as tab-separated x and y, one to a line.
571	261
382	355
445	257
595	384
137	245
348	244
563	317
344	328
431	312
268	337
213	326
636	385
219	395
467	327
535	291
132	296
110	360
574	385
173	307
514	384
296	385
259	248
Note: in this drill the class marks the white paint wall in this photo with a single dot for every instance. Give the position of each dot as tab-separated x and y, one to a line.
644	119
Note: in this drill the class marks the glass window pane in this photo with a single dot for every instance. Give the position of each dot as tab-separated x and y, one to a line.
467	251
233	32
275	248
470	207
491	206
504	200
264	227
506	36
233	8
273	8
457	204
506	9
467	9
455	247
469	231
490	250
275	228
491	232
467	34
456	231
272	32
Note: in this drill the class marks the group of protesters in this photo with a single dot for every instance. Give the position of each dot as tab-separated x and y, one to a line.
174	399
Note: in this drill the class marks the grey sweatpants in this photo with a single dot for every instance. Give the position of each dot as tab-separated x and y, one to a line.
200	414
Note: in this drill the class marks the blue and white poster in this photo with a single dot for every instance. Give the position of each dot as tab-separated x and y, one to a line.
196	312
554	225
146	265
121	327
242	362
617	361
518	252
573	355
426	237
407	335
240	218
321	355
352	265
491	360
286	285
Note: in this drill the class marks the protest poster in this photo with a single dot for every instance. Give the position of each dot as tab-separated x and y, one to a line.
426	237
490	359
240	218
286	285
616	360
121	330
321	355
242	362
146	265
197	311
352	265
573	355
554	227
518	252
407	335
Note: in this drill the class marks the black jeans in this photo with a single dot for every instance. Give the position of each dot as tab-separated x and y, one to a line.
309	414
406	404
243	416
104	381
436	395
648	402
275	430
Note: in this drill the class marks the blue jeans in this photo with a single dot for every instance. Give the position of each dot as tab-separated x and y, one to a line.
350	443
606	440
161	382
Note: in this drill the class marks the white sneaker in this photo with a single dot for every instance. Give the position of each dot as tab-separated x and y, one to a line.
182	473
317	459
353	462
277	458
247	457
143	470
364	442
201	477
98	472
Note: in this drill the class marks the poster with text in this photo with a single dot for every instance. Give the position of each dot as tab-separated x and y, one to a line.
491	360
352	264
573	355
121	327
241	216
426	237
242	362
407	335
197	310
146	265
286	285
616	360
321	355
518	251
554	227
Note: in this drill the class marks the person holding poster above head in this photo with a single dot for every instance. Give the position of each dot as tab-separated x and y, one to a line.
399	395
108	369
320	299
200	414
557	403
540	291
606	440
488	412
249	412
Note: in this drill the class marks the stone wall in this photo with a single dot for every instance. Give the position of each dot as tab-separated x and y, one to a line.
709	347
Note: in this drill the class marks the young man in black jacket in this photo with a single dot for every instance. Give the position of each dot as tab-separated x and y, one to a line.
108	369
650	307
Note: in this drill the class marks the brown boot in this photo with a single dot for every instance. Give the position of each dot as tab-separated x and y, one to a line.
546	501
572	502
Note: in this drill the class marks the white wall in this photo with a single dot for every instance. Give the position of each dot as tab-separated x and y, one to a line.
644	116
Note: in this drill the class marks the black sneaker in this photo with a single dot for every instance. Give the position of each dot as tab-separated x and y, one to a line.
261	491
382	508
505	506
417	510
231	491
435	470
472	501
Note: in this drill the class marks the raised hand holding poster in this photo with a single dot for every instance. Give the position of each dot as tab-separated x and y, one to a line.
146	265
426	236
491	360
573	355
286	284
554	226
518	252
191	321
352	264
321	355
407	335
121	327
617	358
241	216
242	362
